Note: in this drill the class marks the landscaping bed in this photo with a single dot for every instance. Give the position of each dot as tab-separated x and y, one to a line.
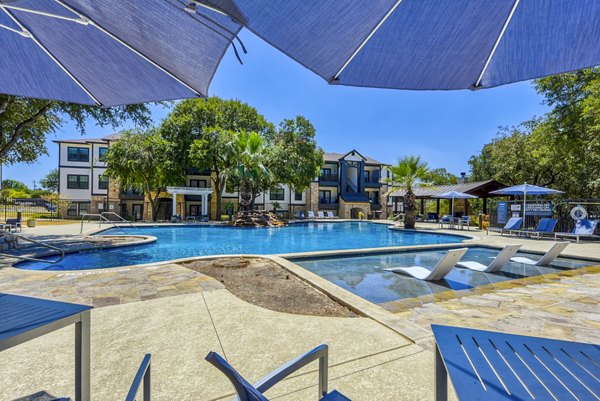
264	283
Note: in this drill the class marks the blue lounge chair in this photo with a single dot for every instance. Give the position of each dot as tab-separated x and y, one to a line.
433	217
545	226
583	228
311	214
300	215
512	225
464	221
439	271
248	392
446	219
487	365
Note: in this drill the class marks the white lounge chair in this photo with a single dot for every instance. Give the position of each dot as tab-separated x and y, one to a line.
545	260
330	215
439	271
320	215
497	263
311	214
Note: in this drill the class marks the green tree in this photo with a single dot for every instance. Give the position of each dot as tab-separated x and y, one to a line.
215	151
441	176
14	184
296	158
144	160
200	120
50	181
407	173
25	123
251	174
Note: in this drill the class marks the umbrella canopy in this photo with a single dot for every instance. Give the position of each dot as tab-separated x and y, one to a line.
455	195
527	189
416	44
110	52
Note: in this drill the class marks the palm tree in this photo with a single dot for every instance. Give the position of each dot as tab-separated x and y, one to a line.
251	173
407	172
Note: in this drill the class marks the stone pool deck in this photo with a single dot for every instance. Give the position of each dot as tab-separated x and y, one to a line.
186	314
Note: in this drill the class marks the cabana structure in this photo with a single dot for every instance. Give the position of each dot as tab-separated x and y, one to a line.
481	189
200	192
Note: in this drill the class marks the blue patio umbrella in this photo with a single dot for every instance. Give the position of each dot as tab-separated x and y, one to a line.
418	44
454	195
526	189
110	52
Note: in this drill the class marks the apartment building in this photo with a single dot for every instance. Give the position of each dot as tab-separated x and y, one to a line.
348	184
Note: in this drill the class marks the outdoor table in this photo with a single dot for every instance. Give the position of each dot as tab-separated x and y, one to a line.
25	318
485	365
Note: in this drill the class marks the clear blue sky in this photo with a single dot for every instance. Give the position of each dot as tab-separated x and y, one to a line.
445	128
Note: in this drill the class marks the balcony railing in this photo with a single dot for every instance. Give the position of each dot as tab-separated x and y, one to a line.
328	177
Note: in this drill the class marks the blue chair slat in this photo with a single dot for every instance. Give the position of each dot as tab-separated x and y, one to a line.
529	367
335	396
515	384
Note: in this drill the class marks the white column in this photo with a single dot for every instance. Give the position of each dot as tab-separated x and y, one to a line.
204	204
174	204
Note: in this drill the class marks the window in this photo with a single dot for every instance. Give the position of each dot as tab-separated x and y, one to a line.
84	208
102	154
78	154
78	181
277	194
78	208
297	196
103	182
367	175
198	183
72	209
324	196
325	171
374	197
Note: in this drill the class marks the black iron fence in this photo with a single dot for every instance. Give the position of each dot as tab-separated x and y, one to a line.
44	209
565	210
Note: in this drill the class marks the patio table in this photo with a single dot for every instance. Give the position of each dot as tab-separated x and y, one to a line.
485	365
25	318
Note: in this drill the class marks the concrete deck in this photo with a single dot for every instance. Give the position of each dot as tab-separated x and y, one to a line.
185	314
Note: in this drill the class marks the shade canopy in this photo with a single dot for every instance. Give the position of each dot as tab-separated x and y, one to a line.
527	189
454	195
110	52
417	44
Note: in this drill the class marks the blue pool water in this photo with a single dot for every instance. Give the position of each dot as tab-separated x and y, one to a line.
365	277
186	241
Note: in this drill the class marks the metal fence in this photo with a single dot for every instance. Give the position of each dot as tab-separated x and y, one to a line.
536	209
43	209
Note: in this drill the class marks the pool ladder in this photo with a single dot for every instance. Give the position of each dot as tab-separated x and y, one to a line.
30	259
103	219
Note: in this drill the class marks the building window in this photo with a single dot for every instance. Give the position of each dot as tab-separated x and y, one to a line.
102	154
78	181
297	196
374	197
324	196
198	183
103	182
367	175
78	208
325	171
78	154
277	194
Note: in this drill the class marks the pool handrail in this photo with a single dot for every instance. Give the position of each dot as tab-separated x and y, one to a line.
32	259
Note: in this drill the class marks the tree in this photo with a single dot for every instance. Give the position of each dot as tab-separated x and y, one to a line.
251	174
144	160
14	184
296	158
198	119
50	181
25	123
215	151
441	176
408	172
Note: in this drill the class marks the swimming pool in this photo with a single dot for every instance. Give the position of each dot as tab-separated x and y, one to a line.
365	277
174	242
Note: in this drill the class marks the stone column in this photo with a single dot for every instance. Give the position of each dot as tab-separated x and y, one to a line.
312	202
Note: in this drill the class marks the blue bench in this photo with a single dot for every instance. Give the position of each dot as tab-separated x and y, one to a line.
485	365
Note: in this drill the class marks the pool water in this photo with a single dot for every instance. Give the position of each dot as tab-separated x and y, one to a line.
365	275
174	242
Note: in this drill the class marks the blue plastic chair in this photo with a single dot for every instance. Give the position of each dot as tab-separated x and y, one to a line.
583	228
486	365
512	225
248	392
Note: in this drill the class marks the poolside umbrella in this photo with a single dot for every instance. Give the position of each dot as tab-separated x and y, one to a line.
524	190
454	195
417	44
110	52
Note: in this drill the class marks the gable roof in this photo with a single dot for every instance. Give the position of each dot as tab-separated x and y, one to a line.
477	188
335	157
